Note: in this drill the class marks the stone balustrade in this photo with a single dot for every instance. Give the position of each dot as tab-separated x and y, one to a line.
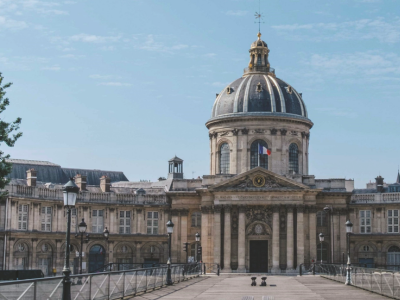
85	197
376	198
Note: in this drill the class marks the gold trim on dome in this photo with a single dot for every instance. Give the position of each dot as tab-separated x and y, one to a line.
259	181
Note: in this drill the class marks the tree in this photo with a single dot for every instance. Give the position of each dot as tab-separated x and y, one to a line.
8	135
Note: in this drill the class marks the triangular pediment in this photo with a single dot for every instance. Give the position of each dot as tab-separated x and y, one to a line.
258	179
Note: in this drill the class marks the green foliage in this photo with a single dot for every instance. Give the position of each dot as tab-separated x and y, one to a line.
8	135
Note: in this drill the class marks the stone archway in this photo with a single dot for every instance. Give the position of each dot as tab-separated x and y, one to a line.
259	247
97	258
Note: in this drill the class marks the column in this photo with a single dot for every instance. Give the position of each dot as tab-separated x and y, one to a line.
59	264
289	239
174	238
217	234
138	256
184	233
336	231
33	257
245	156
242	240
139	220
205	222
227	239
275	239
313	233
300	235
342	231
11	243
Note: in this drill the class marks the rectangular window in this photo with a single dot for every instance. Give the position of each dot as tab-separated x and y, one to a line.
23	217
365	221
46	218
393	221
97	220
124	222
152	222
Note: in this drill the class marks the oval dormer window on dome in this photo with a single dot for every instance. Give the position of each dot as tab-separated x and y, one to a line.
289	89
259	88
228	90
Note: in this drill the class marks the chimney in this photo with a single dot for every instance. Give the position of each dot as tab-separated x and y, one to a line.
31	177
80	181
105	184
379	184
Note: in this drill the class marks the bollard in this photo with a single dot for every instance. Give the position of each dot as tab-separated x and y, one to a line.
253	281
263	282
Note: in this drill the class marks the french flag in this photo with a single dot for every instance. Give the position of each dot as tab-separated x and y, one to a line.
263	150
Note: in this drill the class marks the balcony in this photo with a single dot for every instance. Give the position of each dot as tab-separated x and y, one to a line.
259	69
377	198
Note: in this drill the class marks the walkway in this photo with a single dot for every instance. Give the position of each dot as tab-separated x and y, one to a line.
235	287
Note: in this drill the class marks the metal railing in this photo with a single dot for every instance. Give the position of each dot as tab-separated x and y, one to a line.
263	69
380	281
211	268
105	285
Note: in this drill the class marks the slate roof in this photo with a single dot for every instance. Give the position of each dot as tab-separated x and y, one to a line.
50	172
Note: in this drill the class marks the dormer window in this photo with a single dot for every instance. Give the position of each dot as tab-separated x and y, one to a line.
259	87
229	90
289	89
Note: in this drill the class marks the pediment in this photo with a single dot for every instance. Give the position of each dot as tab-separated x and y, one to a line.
258	179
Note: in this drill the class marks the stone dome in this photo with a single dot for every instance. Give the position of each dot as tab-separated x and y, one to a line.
259	92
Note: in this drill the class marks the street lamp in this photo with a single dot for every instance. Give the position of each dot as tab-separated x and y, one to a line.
321	239
349	230
82	229
70	193
329	210
106	234
197	245
170	230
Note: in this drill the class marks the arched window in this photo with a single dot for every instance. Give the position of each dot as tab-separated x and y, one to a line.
324	252
196	219
259	60
224	159
321	218
393	258
293	159
257	159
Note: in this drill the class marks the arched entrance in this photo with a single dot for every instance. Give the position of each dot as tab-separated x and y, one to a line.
97	257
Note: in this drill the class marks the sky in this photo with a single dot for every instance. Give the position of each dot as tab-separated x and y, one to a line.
125	85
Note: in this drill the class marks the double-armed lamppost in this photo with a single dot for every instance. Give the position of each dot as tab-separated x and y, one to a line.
170	230
197	246
349	230
82	229
321	239
70	193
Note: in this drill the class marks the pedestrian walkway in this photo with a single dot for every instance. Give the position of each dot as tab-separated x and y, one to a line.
235	287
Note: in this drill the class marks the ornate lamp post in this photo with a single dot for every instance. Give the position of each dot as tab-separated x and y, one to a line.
70	193
329	211
321	239
197	246
349	230
170	230
82	229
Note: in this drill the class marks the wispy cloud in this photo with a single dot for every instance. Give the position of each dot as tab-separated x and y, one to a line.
387	31
52	68
115	83
98	76
91	38
6	23
237	13
337	112
155	43
359	63
219	84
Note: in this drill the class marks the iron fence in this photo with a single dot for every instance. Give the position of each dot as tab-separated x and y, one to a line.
380	281
97	286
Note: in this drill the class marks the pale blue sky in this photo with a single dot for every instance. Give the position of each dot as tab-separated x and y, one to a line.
126	85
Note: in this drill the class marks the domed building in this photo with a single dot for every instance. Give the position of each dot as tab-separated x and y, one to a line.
259	111
259	209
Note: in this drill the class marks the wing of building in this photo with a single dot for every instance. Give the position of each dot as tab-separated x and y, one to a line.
259	209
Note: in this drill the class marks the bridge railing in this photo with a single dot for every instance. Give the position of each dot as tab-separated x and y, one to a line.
380	281
105	285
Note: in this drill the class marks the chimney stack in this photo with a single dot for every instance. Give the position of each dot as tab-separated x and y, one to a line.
105	184
31	177
379	184
80	181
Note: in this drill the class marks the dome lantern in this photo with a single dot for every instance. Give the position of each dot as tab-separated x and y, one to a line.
259	58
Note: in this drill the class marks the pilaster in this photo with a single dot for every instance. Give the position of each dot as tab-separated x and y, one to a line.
217	234
275	239
300	235
313	232
227	239
242	239
289	241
